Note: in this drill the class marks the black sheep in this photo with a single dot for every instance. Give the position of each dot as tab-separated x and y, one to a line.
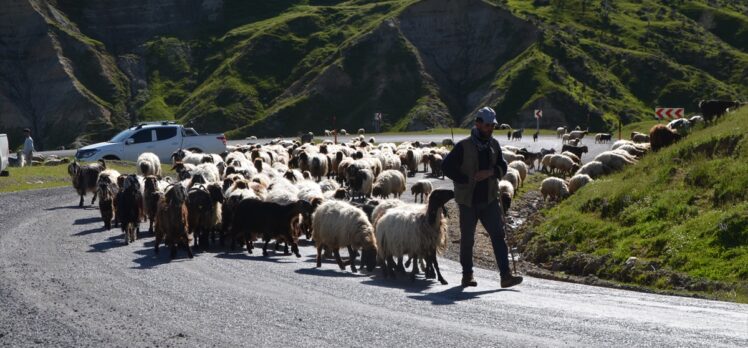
577	150
130	208
254	218
85	178
713	109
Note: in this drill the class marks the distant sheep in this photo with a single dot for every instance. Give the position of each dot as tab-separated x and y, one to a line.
336	224
713	109
554	188
361	131
421	188
148	164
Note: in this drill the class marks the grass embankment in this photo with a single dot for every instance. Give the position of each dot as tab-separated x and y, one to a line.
682	212
40	177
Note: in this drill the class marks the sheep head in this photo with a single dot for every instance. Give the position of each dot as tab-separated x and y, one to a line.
73	168
437	199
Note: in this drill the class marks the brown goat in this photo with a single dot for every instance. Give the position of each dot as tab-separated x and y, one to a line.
85	178
661	136
151	196
172	225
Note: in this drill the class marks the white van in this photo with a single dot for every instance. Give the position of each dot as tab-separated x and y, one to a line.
4	154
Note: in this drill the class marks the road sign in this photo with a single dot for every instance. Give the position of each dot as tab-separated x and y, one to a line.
538	113
669	113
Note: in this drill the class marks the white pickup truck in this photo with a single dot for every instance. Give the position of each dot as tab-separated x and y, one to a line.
161	138
4	154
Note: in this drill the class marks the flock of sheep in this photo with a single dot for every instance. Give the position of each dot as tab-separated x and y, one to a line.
339	196
281	190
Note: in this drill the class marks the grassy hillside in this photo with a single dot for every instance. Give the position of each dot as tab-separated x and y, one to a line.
682	212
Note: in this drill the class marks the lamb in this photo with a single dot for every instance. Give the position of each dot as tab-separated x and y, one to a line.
435	161
152	194
521	167
130	208
415	230
554	188
254	218
560	131
506	193
594	169
421	188
661	136
577	181
337	224
577	150
85	178
172	225
149	164
204	212
389	182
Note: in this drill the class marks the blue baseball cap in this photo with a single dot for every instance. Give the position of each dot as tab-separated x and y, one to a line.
487	115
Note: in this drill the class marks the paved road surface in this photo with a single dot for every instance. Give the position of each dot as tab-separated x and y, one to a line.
544	141
65	282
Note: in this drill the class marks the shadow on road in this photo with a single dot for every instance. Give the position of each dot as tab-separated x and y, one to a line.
86	221
71	207
149	259
401	282
90	231
333	273
111	243
257	256
453	295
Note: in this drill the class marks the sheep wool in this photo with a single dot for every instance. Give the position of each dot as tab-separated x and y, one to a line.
337	224
554	188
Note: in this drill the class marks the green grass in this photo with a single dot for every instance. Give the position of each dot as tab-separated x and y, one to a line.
683	212
40	177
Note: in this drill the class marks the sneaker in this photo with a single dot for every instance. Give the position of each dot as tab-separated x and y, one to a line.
468	280
510	280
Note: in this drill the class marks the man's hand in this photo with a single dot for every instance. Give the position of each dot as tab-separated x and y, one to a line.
483	175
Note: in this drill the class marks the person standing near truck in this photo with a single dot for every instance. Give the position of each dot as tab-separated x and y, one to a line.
28	147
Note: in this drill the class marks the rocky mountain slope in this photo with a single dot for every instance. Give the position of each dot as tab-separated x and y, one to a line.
77	71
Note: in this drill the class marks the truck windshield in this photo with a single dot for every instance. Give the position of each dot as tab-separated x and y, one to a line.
121	136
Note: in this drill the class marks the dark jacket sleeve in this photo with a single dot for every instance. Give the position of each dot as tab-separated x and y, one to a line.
501	166
452	163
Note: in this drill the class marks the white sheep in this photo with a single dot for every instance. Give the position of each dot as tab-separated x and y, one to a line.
594	169
614	160
577	181
208	171
554	188
337	224
563	164
416	230
389	182
506	193
521	167
318	166
512	175
511	157
149	164
573	156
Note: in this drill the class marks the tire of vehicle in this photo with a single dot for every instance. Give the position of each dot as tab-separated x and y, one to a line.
111	158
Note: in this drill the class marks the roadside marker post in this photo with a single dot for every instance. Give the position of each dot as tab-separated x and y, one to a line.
669	113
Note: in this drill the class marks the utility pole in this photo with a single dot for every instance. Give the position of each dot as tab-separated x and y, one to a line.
334	130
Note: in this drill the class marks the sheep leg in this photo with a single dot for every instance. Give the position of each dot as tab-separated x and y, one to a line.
352	258
265	247
415	269
80	205
295	249
436	267
319	256
341	264
93	200
400	268
189	251
173	251
250	246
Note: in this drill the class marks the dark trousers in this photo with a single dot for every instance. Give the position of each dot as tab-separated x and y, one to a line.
492	220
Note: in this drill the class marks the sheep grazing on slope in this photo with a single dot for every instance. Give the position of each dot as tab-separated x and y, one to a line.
337	224
172	224
520	167
130	208
512	175
577	181
615	160
639	137
421	188
390	182
85	178
661	136
577	150
204	212
563	165
713	109
148	164
594	169
554	188
415	230
269	220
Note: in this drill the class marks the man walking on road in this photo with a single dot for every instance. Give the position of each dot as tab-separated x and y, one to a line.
476	165
28	147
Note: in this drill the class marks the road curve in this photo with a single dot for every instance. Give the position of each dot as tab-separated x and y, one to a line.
66	282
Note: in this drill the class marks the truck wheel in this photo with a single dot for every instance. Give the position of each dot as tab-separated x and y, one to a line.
195	150
111	158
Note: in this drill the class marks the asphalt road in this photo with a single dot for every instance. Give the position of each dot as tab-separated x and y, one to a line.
66	282
544	141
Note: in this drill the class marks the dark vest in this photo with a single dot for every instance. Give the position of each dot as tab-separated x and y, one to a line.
464	192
